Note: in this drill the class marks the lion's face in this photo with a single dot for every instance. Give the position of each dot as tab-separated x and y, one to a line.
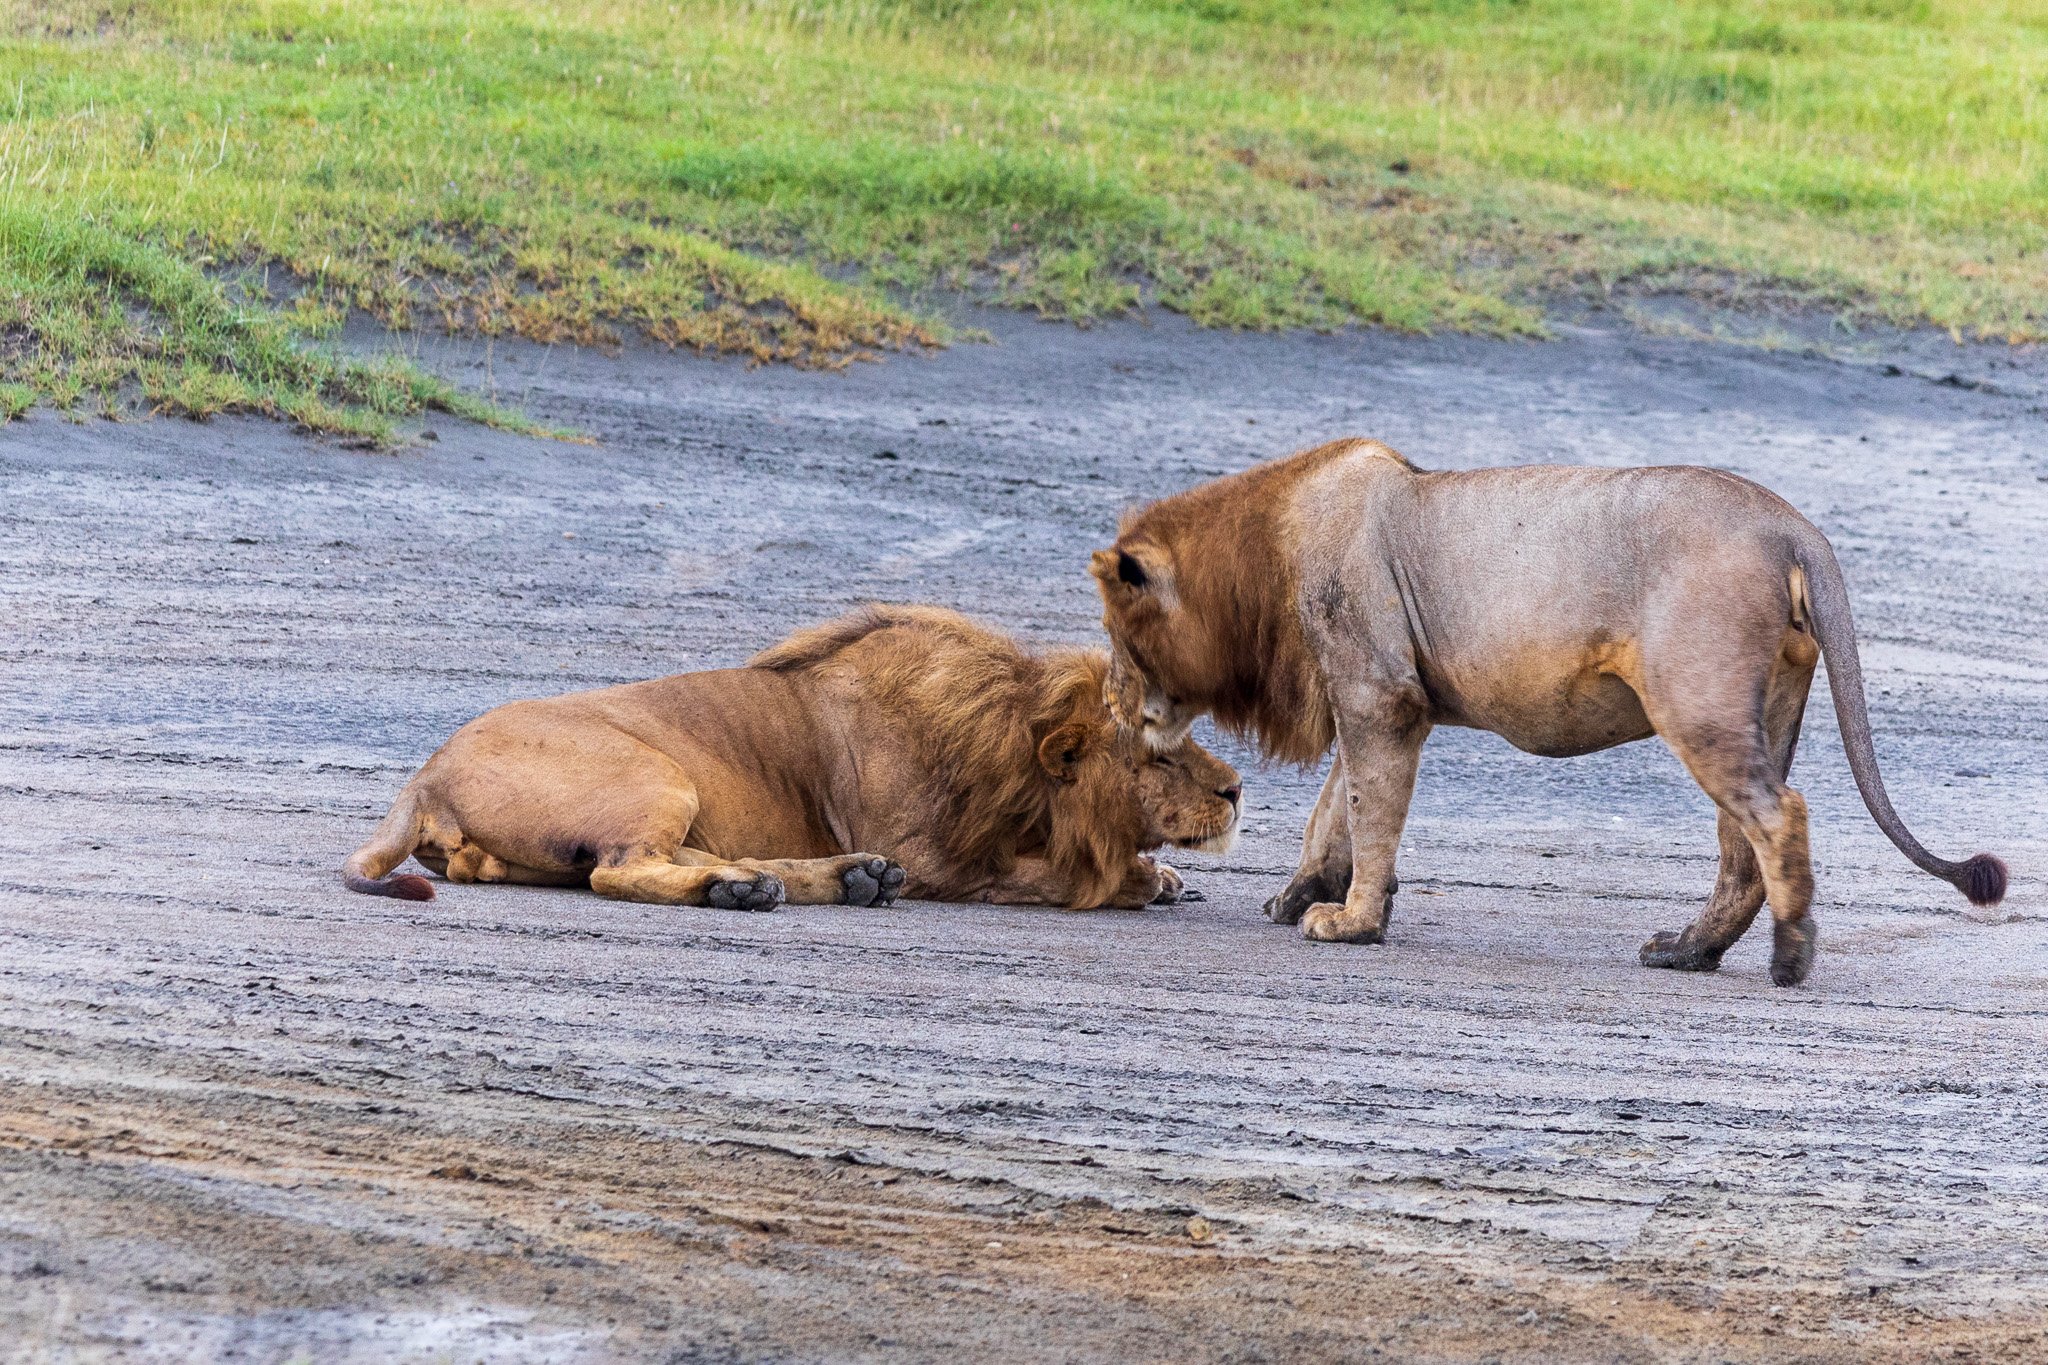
1190	798
1127	797
1111	796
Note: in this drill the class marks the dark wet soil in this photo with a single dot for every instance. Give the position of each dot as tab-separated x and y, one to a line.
244	1114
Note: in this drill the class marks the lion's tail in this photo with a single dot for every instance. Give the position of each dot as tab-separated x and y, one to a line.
1981	877
392	844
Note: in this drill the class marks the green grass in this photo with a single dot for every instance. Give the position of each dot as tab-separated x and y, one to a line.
92	314
766	178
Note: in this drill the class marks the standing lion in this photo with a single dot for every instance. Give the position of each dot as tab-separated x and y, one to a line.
1343	595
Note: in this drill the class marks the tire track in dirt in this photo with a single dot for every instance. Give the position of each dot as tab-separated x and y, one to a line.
799	1133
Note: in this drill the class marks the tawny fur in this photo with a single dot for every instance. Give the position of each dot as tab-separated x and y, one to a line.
1344	596
988	771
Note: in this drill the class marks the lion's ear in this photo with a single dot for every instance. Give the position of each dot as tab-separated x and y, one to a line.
1060	752
1137	566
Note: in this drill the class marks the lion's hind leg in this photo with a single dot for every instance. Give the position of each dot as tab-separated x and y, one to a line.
471	862
1763	822
580	801
1738	895
513	874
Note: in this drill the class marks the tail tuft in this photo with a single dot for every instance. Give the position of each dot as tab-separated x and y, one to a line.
1983	879
407	887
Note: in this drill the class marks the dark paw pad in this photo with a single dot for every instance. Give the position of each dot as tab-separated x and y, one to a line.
873	882
1673	948
1188	893
761	892
1792	945
892	884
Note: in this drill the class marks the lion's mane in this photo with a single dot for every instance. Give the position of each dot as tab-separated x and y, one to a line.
981	710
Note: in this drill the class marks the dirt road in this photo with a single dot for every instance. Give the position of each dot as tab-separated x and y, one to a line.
244	1115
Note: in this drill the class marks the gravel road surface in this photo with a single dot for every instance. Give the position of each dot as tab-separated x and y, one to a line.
247	1116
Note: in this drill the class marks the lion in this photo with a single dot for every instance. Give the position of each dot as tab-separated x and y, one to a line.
1344	596
894	751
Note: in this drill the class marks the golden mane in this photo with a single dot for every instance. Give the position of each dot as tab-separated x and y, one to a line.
979	709
1234	570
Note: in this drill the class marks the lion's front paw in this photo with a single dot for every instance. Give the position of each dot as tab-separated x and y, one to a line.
871	881
1171	887
1306	889
1327	923
745	891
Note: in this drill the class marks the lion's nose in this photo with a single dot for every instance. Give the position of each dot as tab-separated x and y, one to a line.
1231	793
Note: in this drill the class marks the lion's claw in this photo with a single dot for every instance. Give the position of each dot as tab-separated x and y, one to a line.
1171	888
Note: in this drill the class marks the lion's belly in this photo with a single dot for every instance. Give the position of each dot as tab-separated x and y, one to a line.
1555	710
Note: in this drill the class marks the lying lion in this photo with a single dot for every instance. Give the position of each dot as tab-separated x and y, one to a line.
1344	595
976	771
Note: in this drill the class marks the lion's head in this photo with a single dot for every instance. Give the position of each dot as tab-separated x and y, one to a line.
1022	750
1114	795
1186	640
1190	797
1200	601
1156	664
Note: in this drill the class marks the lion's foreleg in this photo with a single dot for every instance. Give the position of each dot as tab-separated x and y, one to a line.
655	880
1036	881
854	879
1324	874
1381	746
